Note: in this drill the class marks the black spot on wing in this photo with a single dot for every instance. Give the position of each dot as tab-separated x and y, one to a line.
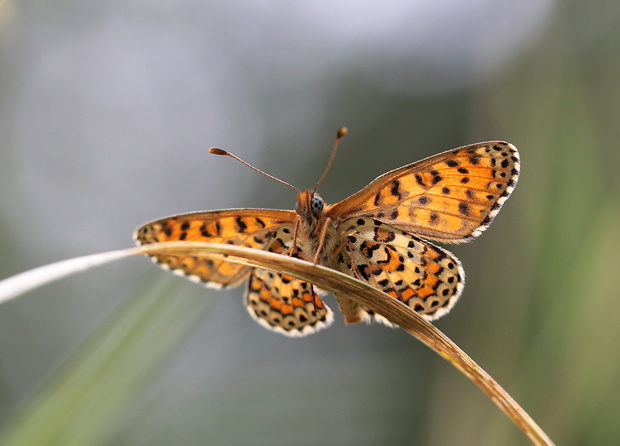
241	224
464	208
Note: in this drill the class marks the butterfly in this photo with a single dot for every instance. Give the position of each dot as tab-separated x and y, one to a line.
381	235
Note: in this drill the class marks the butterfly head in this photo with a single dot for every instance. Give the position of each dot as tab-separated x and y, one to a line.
309	206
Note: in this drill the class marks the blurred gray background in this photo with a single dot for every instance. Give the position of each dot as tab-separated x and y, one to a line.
107	110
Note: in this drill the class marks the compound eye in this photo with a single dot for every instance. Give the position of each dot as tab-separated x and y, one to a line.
316	204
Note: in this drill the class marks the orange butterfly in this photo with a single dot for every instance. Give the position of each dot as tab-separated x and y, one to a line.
376	235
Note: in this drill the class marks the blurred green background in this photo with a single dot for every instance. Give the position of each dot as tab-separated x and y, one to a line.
106	114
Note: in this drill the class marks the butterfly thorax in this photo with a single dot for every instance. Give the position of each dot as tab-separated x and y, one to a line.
316	230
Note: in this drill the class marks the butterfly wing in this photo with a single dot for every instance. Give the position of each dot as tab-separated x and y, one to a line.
425	277
450	197
278	302
285	305
282	303
252	228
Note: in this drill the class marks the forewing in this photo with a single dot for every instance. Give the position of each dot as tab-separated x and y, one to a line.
425	277
450	197
253	228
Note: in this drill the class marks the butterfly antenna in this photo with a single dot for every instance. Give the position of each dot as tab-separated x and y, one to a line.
216	151
341	134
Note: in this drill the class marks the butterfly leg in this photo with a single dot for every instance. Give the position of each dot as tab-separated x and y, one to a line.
349	307
314	298
322	236
294	242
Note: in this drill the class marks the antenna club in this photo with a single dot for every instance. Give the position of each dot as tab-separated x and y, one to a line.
216	151
342	132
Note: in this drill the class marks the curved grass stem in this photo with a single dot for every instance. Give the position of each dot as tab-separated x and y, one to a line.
325	278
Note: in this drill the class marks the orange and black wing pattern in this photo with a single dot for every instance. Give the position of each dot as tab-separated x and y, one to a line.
252	228
450	197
